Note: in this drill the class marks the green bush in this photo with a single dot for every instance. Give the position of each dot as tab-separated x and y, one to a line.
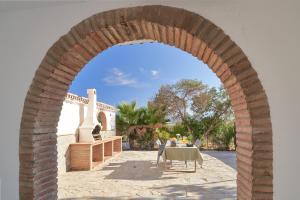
163	135
178	128
224	135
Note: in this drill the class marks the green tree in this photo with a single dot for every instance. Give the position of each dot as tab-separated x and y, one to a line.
126	116
212	108
225	134
139	123
176	99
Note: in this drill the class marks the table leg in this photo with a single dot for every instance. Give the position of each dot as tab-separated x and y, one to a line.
195	165
185	164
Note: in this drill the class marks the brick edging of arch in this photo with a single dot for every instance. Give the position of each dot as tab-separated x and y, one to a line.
177	27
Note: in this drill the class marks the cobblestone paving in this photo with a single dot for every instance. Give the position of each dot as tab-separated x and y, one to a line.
134	175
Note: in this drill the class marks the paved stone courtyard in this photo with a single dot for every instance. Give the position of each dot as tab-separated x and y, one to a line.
134	175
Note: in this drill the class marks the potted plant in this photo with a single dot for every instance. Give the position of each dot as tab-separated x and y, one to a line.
190	141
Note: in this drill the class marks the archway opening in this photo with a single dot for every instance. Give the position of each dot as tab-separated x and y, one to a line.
102	120
183	29
130	77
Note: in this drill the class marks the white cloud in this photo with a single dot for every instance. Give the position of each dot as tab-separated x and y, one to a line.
117	77
155	73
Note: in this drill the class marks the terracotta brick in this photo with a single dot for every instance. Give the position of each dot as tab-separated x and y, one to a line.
176	37
105	40
183	37
170	35
163	34
156	31
136	29
206	55
193	24
202	48
212	59
123	31
106	32
218	39
150	31
195	46
217	64
203	30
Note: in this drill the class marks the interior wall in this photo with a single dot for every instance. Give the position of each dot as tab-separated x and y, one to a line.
267	31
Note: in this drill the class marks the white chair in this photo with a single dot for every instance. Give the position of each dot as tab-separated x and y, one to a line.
161	148
198	143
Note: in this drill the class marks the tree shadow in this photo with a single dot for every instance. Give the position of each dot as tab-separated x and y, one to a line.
135	170
181	191
228	157
199	191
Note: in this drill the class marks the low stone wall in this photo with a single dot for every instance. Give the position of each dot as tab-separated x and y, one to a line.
107	134
63	154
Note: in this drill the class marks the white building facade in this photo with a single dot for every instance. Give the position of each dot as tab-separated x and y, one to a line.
73	114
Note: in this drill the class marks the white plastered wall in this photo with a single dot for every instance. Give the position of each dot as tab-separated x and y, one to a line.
73	114
71	117
110	120
267	31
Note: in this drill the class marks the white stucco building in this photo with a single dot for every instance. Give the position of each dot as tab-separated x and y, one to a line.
73	114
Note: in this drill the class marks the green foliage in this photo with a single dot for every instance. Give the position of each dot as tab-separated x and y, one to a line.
146	140
195	126
224	135
200	112
190	138
178	128
127	116
162	134
177	98
130	115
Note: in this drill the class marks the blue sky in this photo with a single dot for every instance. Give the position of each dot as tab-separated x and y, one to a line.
136	72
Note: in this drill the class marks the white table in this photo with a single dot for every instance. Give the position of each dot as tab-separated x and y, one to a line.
183	154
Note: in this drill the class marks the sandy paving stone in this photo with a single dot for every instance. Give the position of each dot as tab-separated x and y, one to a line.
134	175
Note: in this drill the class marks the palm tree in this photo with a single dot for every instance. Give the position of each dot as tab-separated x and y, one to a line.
127	116
135	122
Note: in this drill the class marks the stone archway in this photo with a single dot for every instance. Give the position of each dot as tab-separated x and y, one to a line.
183	29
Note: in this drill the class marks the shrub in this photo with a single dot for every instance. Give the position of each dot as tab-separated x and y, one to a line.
163	135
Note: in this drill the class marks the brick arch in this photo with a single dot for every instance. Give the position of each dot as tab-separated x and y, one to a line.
103	119
180	28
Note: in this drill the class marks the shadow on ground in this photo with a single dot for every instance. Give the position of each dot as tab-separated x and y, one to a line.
229	158
134	170
180	191
202	191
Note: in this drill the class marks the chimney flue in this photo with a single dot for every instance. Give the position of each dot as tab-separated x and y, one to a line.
90	121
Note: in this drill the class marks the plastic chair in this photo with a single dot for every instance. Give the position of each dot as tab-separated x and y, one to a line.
160	150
